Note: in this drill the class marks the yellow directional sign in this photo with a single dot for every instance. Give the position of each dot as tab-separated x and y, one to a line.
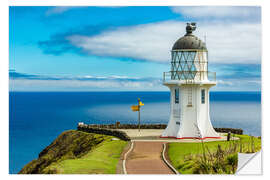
135	108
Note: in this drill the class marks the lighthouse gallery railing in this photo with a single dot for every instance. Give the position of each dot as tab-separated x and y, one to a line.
189	76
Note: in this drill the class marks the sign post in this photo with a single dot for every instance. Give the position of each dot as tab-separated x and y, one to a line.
138	108
139	115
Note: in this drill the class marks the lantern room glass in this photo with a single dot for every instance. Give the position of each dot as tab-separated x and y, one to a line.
183	65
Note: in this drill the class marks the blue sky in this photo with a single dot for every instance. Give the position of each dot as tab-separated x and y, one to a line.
128	48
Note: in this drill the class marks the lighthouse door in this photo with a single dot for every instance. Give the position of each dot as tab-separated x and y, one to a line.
176	106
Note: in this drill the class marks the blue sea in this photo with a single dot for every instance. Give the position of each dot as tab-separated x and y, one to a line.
37	118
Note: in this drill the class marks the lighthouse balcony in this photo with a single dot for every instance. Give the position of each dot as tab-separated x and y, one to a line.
189	77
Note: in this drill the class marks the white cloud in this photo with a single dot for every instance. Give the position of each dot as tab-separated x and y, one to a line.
23	82
238	12
227	42
118	85
222	82
29	85
62	9
85	83
87	76
255	81
59	10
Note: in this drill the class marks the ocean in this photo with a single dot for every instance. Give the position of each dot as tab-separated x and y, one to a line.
37	118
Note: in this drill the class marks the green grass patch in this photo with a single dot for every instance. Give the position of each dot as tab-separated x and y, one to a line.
101	160
186	157
77	152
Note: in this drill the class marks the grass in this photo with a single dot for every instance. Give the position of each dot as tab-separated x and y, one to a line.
101	160
77	152
191	158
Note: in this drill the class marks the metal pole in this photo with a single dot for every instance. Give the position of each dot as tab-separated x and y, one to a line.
139	114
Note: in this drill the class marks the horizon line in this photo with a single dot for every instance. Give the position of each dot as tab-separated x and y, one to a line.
125	91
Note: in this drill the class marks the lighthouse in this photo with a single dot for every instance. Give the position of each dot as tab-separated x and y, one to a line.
189	82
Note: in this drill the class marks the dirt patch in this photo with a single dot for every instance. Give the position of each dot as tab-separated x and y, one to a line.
147	159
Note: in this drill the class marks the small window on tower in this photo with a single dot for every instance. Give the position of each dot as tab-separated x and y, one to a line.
203	96
176	96
189	97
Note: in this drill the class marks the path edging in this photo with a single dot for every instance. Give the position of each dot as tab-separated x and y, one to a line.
125	157
166	161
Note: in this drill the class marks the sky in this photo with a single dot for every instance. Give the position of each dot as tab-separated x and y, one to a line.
128	48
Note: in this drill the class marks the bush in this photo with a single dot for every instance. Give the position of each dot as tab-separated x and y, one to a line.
232	160
221	161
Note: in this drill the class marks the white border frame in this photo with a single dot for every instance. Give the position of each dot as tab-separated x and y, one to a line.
4	66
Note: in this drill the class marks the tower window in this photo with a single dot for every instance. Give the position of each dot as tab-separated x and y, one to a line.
176	97
189	97
203	96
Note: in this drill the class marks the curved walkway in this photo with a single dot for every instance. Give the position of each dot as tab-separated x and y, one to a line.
146	158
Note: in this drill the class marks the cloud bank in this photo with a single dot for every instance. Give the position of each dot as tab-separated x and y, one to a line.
30	82
34	82
226	42
232	34
219	12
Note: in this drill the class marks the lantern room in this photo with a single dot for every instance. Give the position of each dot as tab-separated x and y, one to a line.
189	59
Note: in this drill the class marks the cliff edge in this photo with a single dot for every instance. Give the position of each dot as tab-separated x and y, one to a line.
68	145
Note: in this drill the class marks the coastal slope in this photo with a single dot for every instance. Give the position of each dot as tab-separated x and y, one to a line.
77	152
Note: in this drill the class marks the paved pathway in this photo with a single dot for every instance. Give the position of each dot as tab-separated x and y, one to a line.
146	158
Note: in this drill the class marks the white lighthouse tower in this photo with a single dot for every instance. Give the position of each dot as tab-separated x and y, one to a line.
189	82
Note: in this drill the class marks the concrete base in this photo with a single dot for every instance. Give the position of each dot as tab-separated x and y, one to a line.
154	135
